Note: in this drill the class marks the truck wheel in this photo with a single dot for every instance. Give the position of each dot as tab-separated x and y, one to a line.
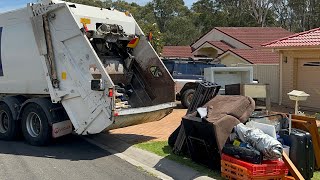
9	128
186	98
35	126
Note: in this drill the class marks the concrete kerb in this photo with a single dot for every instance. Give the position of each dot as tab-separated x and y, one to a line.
161	167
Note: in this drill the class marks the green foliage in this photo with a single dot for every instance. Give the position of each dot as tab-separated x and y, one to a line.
180	31
173	23
207	14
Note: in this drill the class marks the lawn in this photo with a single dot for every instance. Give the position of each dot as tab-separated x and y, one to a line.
316	175
164	150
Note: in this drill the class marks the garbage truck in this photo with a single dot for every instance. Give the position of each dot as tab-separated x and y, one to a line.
67	67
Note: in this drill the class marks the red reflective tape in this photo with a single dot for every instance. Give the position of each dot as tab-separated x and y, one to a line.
85	27
133	41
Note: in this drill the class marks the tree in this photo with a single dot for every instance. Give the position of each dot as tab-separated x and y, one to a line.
260	10
305	14
165	10
206	15
180	31
236	13
172	23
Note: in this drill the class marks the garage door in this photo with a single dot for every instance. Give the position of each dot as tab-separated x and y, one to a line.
309	81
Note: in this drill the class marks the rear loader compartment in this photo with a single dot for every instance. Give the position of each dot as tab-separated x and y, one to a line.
95	66
135	69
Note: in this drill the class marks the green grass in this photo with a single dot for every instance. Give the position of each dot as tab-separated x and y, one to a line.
316	175
164	150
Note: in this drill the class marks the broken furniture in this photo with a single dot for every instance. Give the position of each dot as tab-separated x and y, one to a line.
292	168
208	135
255	91
205	92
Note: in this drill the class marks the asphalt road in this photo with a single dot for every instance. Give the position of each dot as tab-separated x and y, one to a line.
69	158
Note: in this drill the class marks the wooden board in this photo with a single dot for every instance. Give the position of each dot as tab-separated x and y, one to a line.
309	124
292	168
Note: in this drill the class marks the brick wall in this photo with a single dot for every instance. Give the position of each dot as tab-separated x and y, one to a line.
287	79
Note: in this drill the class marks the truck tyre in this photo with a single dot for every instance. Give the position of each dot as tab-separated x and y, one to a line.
35	127
186	98
9	128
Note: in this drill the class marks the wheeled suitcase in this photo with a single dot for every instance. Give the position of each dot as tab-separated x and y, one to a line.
301	150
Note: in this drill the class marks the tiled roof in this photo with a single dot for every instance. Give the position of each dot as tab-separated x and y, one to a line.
177	51
255	36
307	38
257	56
221	45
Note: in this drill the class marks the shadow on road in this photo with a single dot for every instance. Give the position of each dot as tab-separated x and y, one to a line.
70	147
131	138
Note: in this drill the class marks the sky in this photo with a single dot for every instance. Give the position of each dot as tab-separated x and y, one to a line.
6	5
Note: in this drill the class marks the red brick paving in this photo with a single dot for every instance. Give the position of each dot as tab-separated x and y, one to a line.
153	131
161	130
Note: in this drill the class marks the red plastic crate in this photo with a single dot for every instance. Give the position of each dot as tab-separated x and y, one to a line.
231	177
232	171
267	168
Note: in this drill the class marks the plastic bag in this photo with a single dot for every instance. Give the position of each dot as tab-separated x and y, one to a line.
268	146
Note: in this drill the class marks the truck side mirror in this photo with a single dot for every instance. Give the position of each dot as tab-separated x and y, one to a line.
97	85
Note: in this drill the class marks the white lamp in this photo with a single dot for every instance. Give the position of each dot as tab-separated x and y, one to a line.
298	96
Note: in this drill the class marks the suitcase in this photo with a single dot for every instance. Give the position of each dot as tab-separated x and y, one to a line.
301	150
249	155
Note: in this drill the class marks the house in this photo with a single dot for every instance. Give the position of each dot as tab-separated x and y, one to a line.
299	66
232	45
172	52
238	46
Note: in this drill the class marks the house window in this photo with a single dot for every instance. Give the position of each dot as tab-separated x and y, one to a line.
316	63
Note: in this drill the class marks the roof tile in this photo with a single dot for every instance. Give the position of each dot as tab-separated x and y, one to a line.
221	45
307	38
255	36
177	51
257	56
